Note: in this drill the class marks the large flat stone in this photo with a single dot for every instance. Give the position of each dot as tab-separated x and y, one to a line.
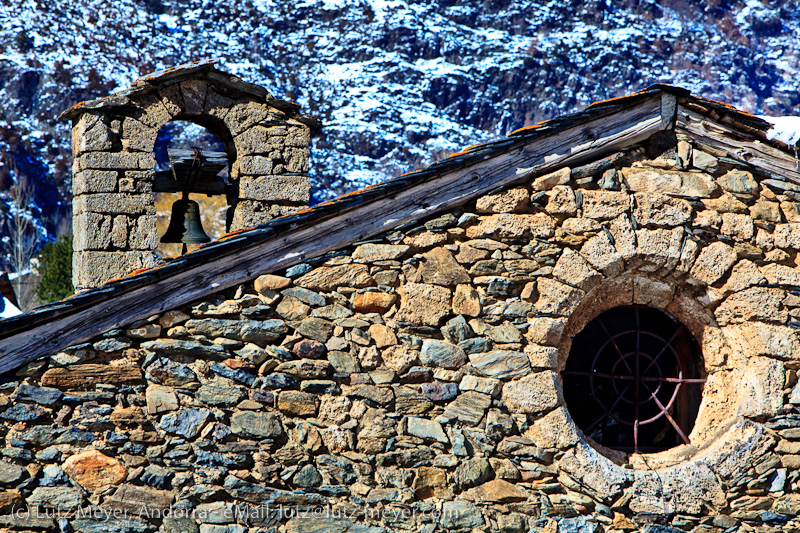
498	491
553	430
423	303
94	470
501	364
442	354
284	189
257	425
513	226
661	210
510	201
713	262
40	395
186	422
166	372
11	473
469	407
532	394
754	303
261	494
86	376
133	499
61	498
220	392
114	204
366	253
574	269
675	183
459	515
604	205
185	347
94	268
426	429
243	330
328	279
329	525
687	488
439	267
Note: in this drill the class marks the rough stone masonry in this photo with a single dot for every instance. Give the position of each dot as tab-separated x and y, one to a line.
114	217
412	383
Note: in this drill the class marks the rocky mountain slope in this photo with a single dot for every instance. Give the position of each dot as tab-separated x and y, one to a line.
397	83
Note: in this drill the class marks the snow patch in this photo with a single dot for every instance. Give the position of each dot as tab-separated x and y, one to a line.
784	129
7	309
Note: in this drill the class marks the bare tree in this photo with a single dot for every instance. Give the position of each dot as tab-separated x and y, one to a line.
20	242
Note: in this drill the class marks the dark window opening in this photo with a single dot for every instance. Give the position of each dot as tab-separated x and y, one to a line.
634	380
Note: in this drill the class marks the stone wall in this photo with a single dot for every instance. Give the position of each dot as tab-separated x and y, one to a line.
114	217
412	383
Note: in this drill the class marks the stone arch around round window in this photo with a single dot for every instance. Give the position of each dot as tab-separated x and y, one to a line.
266	140
744	383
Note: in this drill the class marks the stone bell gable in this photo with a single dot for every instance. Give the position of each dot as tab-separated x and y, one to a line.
266	141
413	371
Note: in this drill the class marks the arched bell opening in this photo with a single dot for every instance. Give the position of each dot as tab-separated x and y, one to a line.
193	164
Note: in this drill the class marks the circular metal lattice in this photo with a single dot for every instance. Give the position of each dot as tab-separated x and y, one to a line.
633	380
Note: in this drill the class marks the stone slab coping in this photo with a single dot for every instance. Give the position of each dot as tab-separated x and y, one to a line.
203	70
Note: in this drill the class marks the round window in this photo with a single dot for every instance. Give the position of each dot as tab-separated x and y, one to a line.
634	379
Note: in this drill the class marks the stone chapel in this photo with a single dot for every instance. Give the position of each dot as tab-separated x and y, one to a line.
588	326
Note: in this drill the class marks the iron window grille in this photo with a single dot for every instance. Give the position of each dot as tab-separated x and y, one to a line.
633	380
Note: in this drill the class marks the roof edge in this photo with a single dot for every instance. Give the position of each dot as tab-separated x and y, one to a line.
205	69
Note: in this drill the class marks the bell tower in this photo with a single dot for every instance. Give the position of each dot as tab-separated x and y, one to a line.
266	142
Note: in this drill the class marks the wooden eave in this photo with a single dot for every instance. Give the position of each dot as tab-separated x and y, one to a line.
600	130
739	136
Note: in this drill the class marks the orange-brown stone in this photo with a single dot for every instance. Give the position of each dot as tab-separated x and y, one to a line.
10	499
373	302
496	490
93	470
85	377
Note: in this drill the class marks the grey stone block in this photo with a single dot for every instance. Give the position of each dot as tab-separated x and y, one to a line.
137	181
143	234
296	159
252	141
194	96
90	134
255	165
245	114
299	136
249	213
217	105
289	189
137	137
152	111
114	204
172	99
119	231
91	231
116	160
92	181
94	268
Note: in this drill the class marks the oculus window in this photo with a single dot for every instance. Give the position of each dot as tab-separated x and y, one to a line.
634	379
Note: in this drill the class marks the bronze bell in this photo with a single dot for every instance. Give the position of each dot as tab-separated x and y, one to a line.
184	226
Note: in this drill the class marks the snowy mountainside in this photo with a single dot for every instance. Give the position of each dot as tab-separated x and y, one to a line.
397	83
